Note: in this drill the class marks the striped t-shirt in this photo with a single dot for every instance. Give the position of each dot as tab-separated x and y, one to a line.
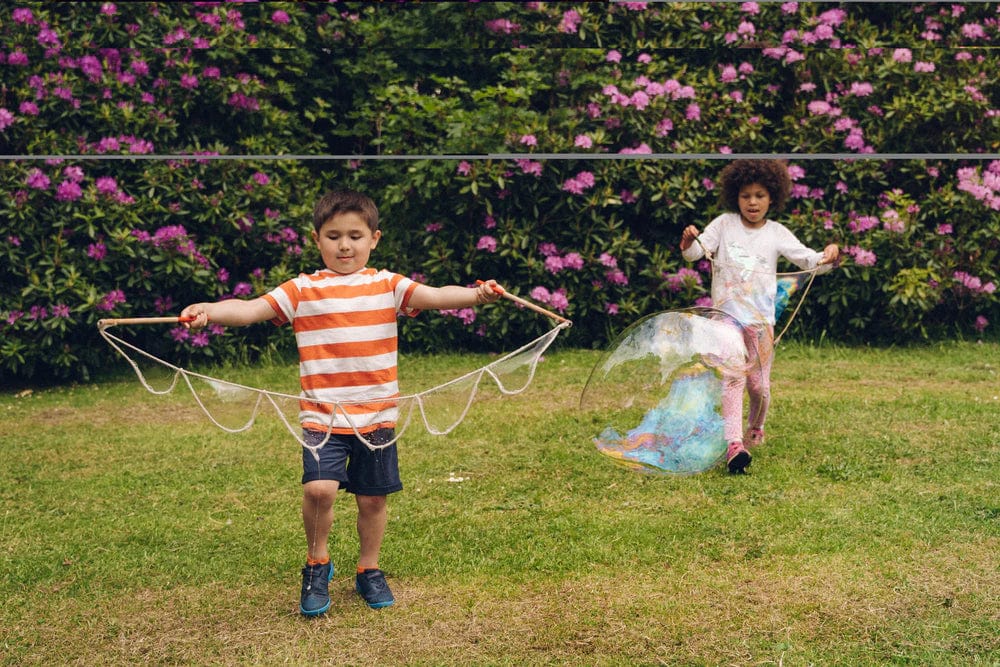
345	329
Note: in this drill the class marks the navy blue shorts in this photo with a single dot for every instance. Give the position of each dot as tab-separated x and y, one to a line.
348	460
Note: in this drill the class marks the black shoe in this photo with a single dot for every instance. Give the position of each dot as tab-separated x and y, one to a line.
315	589
371	585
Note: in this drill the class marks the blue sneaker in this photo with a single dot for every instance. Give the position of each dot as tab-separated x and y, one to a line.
315	589
371	585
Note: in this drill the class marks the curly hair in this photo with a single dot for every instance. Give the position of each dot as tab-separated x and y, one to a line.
772	174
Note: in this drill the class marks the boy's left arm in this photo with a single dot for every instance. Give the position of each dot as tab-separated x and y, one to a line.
425	297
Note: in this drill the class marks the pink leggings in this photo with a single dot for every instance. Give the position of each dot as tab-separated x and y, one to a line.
756	381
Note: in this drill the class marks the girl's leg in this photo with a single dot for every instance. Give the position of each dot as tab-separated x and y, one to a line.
760	344
732	407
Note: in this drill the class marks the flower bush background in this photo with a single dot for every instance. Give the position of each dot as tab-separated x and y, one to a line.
125	130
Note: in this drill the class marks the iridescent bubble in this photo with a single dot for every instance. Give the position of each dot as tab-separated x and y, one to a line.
655	397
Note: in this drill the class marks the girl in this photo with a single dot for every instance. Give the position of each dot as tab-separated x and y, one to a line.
745	246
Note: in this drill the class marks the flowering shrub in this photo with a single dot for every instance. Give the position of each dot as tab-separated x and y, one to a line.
101	221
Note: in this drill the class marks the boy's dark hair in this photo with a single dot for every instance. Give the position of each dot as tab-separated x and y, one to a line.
345	201
772	174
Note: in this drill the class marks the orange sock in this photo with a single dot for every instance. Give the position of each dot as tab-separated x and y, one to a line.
313	561
361	570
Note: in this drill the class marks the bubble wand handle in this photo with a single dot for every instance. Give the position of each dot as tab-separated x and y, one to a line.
142	320
527	304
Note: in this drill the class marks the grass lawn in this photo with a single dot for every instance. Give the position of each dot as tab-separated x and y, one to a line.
868	532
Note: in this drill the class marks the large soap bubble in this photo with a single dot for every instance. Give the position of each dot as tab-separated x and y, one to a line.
655	396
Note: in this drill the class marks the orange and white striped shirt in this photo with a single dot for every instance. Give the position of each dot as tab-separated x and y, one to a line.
345	329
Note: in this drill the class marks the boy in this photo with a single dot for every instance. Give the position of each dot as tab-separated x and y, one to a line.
344	318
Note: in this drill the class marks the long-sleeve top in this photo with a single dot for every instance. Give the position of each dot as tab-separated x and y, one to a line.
745	264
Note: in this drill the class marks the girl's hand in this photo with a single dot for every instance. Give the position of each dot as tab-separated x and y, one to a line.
688	236
830	254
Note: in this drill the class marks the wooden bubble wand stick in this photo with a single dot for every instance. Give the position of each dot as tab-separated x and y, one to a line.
142	320
527	304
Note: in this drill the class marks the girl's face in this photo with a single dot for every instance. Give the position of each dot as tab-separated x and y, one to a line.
754	201
345	242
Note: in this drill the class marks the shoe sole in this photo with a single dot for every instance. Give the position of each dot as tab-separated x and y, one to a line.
322	610
739	462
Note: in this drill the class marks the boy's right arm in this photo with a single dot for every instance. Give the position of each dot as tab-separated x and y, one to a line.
230	313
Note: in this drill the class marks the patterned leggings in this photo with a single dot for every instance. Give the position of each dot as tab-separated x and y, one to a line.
756	382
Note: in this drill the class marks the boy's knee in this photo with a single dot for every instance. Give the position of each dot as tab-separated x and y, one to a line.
370	503
320	491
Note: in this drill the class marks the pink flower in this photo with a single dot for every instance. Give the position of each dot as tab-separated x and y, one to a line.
921	66
613	56
583	141
433	227
611	308
570	21
973	31
97	251
464	168
576	185
529	167
111	299
529	140
693	112
68	191
6	119
981	324
539	293
37	180
944	229
280	16
260	178
502	26
106	185
902	55
554	264
487	243
861	256
573	260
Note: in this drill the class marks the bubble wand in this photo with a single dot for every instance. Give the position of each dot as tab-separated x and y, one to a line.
142	320
527	304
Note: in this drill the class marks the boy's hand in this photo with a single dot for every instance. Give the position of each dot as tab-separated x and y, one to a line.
200	315
688	236
831	254
488	291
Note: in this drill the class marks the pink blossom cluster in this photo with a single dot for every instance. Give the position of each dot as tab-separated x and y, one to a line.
487	243
985	186
287	237
555	262
861	224
466	315
577	184
646	91
973	284
111	299
172	237
685	277
556	298
861	256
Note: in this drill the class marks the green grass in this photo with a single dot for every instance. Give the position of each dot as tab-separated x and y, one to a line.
868	533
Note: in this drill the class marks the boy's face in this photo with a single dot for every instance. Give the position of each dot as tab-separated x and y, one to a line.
754	201
345	242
